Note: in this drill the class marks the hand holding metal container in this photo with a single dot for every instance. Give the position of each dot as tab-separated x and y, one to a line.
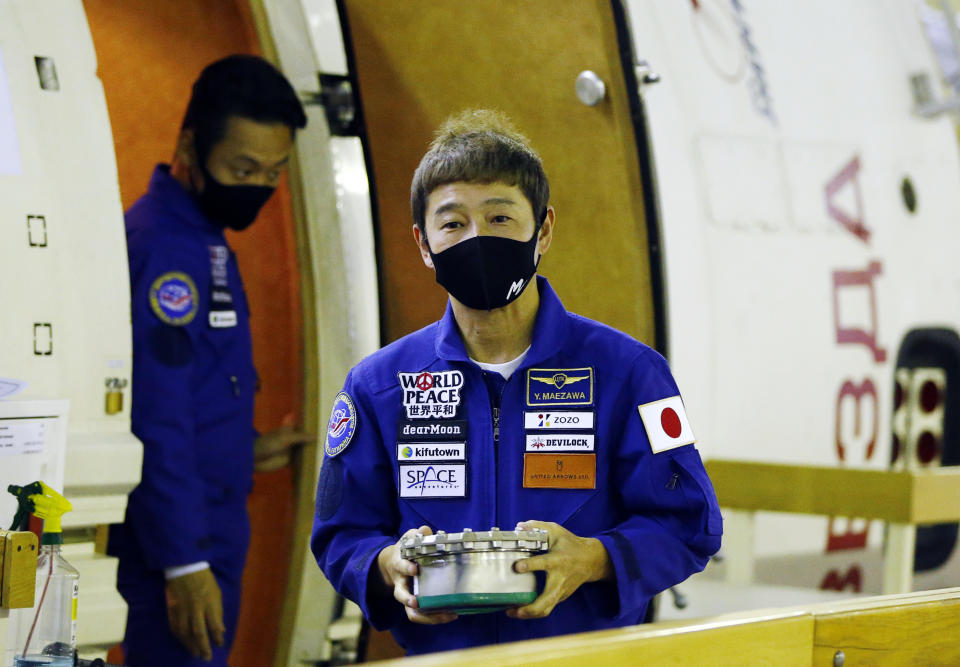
472	572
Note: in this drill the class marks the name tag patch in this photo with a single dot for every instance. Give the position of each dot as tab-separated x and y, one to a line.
557	420
427	394
432	451
560	471
562	442
559	386
410	431
440	480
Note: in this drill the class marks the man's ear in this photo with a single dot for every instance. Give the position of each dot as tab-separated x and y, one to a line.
546	230
187	148
423	245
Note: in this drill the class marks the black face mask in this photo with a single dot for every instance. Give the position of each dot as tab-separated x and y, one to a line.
487	272
233	206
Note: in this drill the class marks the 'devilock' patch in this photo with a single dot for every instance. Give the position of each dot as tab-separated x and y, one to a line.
342	424
174	298
559	386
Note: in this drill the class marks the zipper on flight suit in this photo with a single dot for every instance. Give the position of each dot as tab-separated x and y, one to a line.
495	385
495	391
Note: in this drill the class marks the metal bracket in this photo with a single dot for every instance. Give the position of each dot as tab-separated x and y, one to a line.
645	74
339	101
924	103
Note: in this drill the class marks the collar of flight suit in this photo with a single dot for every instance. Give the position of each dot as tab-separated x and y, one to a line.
549	330
167	190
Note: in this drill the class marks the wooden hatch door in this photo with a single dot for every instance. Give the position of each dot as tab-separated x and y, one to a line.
418	62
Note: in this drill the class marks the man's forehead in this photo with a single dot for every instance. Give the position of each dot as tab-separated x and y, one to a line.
263	142
472	193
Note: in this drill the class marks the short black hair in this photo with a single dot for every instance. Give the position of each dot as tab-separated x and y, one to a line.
480	146
239	85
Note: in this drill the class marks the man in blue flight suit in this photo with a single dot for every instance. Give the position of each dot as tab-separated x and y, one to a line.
564	424
184	540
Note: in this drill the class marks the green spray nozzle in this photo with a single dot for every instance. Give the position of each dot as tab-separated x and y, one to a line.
42	501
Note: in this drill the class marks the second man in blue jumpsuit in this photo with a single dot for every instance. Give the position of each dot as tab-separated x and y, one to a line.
184	541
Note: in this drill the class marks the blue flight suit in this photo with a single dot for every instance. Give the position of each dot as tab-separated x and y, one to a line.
655	513
193	394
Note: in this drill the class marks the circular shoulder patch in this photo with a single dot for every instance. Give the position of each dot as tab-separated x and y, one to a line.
342	425
174	298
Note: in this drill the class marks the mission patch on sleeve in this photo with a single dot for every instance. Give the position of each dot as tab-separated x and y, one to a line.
342	425
174	298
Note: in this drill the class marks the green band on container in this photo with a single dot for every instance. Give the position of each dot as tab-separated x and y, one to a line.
475	603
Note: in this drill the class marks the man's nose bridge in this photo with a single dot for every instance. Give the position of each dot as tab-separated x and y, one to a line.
261	178
481	226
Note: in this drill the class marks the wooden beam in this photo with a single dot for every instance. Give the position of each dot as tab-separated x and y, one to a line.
915	497
925	632
936	495
920	628
779	639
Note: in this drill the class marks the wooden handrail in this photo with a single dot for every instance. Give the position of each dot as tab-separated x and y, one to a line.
907	497
914	628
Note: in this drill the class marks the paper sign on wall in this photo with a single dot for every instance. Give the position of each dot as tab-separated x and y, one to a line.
22	436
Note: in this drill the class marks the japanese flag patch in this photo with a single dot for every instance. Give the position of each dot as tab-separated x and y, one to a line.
666	424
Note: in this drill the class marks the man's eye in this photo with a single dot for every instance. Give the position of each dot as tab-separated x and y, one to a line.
450	224
501	218
242	173
274	176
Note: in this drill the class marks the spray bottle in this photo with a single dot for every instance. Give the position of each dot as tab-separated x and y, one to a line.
46	635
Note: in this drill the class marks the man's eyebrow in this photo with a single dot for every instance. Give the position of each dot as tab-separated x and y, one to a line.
256	163
499	200
449	206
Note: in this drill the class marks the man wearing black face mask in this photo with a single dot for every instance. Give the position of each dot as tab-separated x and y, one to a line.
509	411
184	540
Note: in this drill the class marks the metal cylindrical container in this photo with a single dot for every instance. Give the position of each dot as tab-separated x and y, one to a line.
471	572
